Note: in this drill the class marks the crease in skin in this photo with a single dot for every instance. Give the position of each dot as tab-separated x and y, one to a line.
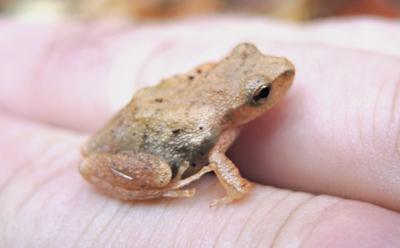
289	218
395	113
56	151
22	133
59	155
89	224
179	224
223	229
245	224
273	207
64	219
395	102
398	143
375	112
20	167
316	222
194	202
362	218
360	125
159	217
106	225
48	200
347	124
116	232
204	216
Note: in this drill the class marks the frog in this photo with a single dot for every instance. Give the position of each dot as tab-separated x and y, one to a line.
171	134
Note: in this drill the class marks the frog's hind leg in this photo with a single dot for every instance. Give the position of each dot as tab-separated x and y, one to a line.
172	190
131	195
131	175
183	182
180	172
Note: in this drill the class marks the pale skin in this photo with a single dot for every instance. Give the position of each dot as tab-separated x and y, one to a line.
134	155
296	146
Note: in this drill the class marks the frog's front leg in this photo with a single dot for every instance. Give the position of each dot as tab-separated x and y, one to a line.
228	175
131	175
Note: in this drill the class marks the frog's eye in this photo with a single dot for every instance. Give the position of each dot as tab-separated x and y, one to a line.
261	94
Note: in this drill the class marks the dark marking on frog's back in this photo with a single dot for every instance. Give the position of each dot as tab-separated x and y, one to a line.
183	147
176	131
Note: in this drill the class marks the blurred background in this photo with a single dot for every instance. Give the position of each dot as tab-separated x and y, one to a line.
159	10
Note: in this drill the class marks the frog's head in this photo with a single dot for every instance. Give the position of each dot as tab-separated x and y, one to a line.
263	81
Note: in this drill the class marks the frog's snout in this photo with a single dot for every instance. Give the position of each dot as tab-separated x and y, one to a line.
289	73
85	169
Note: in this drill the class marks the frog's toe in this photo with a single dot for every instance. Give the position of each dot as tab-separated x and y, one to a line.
180	193
232	195
222	201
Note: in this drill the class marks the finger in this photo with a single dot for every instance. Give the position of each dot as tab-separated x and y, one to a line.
59	77
27	149
48	193
373	183
76	76
336	132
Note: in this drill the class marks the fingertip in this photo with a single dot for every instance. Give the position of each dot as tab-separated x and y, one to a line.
334	133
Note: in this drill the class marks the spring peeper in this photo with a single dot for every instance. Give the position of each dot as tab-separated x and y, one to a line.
171	134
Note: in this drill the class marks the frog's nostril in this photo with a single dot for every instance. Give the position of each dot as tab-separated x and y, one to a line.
288	73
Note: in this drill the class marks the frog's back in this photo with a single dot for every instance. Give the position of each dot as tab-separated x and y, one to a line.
176	127
165	120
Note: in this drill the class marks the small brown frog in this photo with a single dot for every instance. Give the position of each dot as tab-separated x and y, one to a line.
171	134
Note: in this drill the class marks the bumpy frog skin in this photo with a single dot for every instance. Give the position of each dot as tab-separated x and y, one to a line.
171	134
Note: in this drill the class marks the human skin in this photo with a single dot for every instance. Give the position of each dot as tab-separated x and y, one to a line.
329	152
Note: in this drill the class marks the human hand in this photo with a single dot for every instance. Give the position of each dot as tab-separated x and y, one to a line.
335	134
